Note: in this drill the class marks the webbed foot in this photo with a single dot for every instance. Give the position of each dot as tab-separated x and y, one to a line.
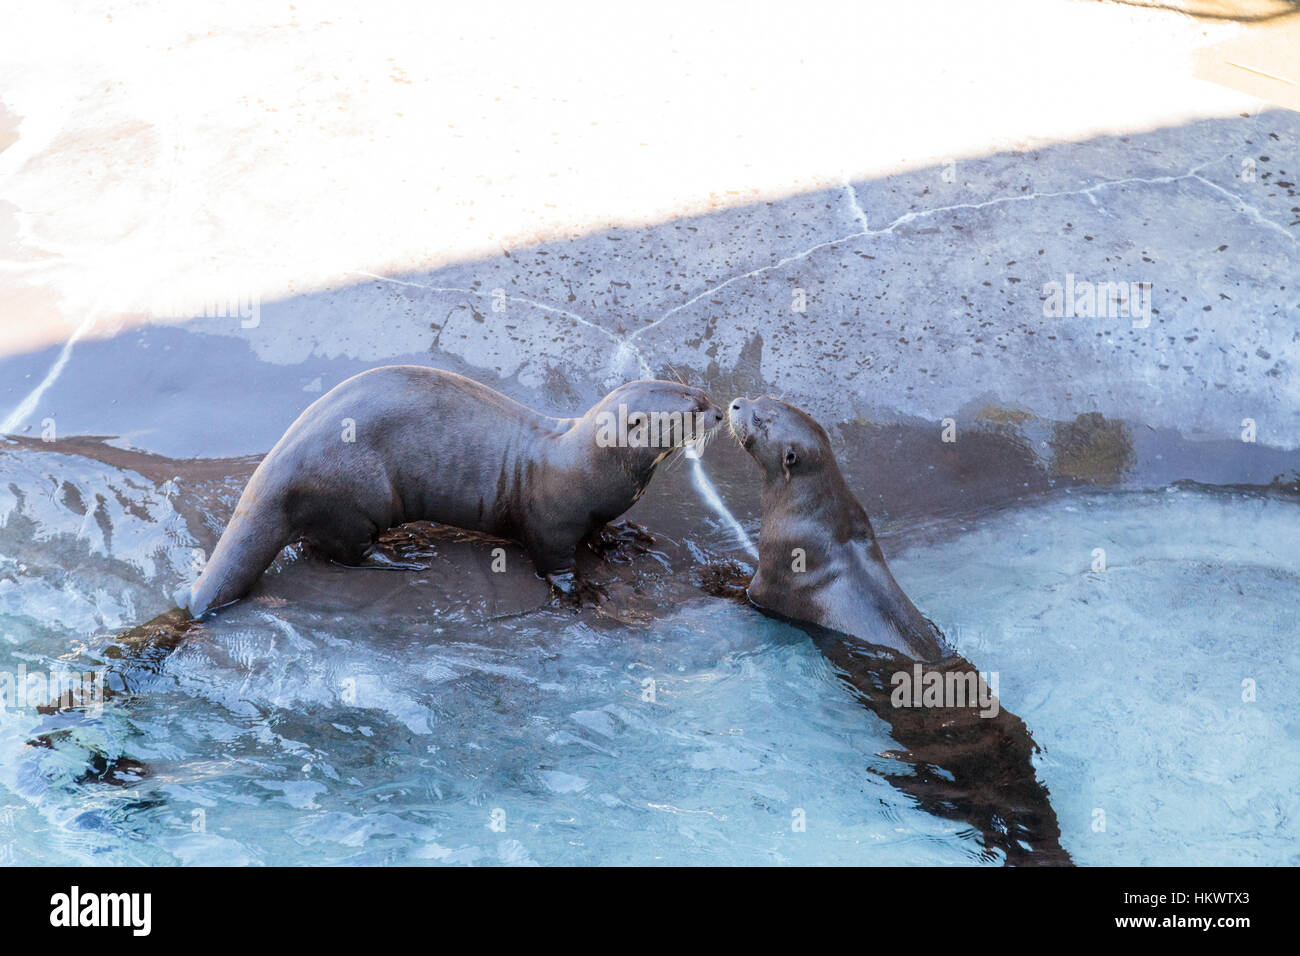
621	541
573	591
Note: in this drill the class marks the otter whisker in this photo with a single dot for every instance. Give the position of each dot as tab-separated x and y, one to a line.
700	442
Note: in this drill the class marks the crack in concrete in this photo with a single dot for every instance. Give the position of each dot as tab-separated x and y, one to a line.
858	212
624	345
1088	191
747	275
1245	207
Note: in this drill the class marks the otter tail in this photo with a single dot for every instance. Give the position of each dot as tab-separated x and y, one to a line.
247	547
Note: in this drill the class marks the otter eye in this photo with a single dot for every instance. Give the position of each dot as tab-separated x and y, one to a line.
790	459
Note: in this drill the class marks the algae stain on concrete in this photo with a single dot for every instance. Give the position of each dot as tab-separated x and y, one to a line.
1092	448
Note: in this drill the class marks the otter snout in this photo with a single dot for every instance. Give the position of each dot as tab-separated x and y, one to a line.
707	415
740	416
708	419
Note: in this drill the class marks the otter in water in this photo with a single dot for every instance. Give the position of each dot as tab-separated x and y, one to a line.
820	567
818	557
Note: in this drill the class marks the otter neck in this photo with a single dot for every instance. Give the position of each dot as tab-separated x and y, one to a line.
623	473
825	502
824	496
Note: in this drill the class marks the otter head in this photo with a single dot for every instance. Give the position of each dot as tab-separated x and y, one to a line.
784	440
653	418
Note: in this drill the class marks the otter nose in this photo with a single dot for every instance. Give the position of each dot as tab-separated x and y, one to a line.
736	416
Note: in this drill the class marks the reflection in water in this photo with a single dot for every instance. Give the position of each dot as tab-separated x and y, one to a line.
968	763
971	763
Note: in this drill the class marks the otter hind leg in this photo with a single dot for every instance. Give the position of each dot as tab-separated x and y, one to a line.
345	537
340	550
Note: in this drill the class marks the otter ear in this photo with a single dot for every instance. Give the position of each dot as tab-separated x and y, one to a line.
788	461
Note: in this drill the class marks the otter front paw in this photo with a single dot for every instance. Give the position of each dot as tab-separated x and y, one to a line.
569	589
620	542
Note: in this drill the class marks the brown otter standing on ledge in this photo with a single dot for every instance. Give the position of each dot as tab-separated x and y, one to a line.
408	443
820	567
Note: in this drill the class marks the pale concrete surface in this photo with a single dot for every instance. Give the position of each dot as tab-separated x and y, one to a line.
164	153
648	197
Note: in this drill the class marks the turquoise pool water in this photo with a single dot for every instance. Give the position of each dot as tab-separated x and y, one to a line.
289	733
